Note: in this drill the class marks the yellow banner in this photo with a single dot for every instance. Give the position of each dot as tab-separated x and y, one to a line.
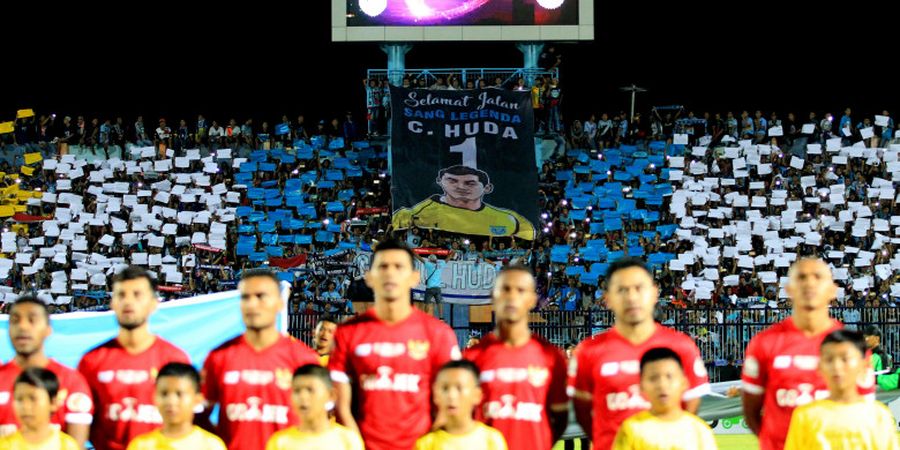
27	170
23	113
7	211
31	158
7	127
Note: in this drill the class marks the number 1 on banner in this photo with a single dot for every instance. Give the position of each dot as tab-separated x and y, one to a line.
469	152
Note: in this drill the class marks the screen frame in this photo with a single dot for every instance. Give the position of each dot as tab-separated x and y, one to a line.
341	32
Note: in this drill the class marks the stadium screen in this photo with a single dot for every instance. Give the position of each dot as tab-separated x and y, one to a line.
461	20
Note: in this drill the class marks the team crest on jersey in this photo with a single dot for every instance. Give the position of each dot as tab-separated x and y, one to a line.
4	398
417	350
153	373
283	378
61	396
79	403
537	376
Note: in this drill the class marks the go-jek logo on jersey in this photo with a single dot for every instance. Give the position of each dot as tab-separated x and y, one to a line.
131	411
535	375
620	401
254	410
387	380
125	376
508	408
791	398
382	349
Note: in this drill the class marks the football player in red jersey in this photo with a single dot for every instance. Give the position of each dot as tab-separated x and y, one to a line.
780	363
523	376
29	327
122	371
250	376
386	359
605	373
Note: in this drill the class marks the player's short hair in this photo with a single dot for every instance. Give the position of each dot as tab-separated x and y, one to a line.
326	317
32	300
625	263
41	379
134	273
463	364
659	354
314	370
260	273
851	337
516	268
460	169
393	244
869	330
180	370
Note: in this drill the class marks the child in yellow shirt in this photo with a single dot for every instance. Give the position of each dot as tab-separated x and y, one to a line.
666	426
845	420
456	393
34	401
177	395
312	395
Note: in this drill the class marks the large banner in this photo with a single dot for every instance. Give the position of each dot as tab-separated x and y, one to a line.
462	282
196	325
464	162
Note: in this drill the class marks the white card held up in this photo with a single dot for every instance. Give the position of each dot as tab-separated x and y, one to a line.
680	139
776	131
882	121
808	128
867	133
797	163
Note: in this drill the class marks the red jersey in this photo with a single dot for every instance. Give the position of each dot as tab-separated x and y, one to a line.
123	386
76	406
781	364
520	384
607	368
392	368
253	388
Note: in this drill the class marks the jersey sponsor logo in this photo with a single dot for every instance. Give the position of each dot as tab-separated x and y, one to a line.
535	375
629	367
803	394
806	362
232	377
131	411
751	367
508	408
125	376
4	398
418	350
632	367
620	401
387	380
254	410
781	362
79	402
382	349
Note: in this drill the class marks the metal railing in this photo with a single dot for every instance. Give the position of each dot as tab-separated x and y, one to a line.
720	334
508	75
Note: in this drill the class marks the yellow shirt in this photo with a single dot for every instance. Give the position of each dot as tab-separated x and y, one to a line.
828	425
57	441
337	437
199	439
486	221
644	431
323	360
482	437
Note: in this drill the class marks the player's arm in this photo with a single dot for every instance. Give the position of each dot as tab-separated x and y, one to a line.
698	378
339	367
210	389
557	399
581	386
753	382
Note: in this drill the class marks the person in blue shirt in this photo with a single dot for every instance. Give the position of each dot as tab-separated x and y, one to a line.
432	273
887	132
571	296
334	301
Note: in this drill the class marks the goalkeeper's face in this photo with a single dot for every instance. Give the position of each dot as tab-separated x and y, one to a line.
463	188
